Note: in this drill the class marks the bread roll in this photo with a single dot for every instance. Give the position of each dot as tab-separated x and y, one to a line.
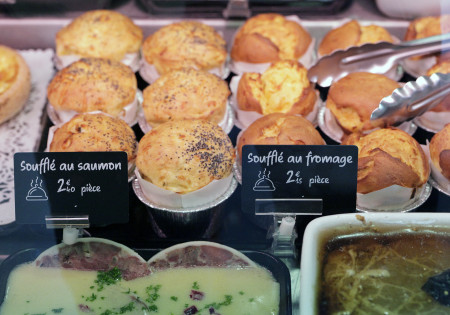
269	37
278	128
15	83
353	98
389	157
352	34
93	84
440	151
186	44
428	26
94	132
184	156
186	94
425	27
284	87
441	67
100	33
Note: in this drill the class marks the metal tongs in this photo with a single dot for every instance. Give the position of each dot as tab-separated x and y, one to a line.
375	58
413	99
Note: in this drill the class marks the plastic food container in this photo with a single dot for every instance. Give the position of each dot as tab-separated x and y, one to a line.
375	225
275	266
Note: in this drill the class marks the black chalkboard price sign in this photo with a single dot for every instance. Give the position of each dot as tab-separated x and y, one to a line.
71	184
299	179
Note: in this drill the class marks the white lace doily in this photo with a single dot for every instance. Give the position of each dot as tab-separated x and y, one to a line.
22	133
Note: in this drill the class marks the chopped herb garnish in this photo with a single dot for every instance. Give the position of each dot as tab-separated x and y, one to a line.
174	298
228	300
195	286
108	277
57	310
241	292
127	308
251	299
91	298
122	310
152	293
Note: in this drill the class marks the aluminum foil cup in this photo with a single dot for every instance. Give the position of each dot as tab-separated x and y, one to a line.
329	125
394	201
149	73
200	221
129	114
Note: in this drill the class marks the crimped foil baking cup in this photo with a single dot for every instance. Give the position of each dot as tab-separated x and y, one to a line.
130	59
149	73
438	186
433	121
237	170
418	67
329	125
130	112
421	196
226	124
199	221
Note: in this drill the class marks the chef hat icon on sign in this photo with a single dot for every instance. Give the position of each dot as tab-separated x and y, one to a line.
36	193
264	183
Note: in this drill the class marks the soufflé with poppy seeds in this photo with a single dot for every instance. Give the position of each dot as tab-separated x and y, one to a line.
100	34
186	94
185	44
184	156
95	132
93	84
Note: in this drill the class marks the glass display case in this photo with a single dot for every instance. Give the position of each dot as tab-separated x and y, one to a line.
31	30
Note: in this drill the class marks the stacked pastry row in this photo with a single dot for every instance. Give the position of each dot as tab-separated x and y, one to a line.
270	53
263	40
270	106
271	102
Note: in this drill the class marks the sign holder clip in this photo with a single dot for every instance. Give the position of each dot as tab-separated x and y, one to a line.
71	226
284	236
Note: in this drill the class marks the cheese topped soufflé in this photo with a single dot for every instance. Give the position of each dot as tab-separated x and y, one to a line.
15	83
283	88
